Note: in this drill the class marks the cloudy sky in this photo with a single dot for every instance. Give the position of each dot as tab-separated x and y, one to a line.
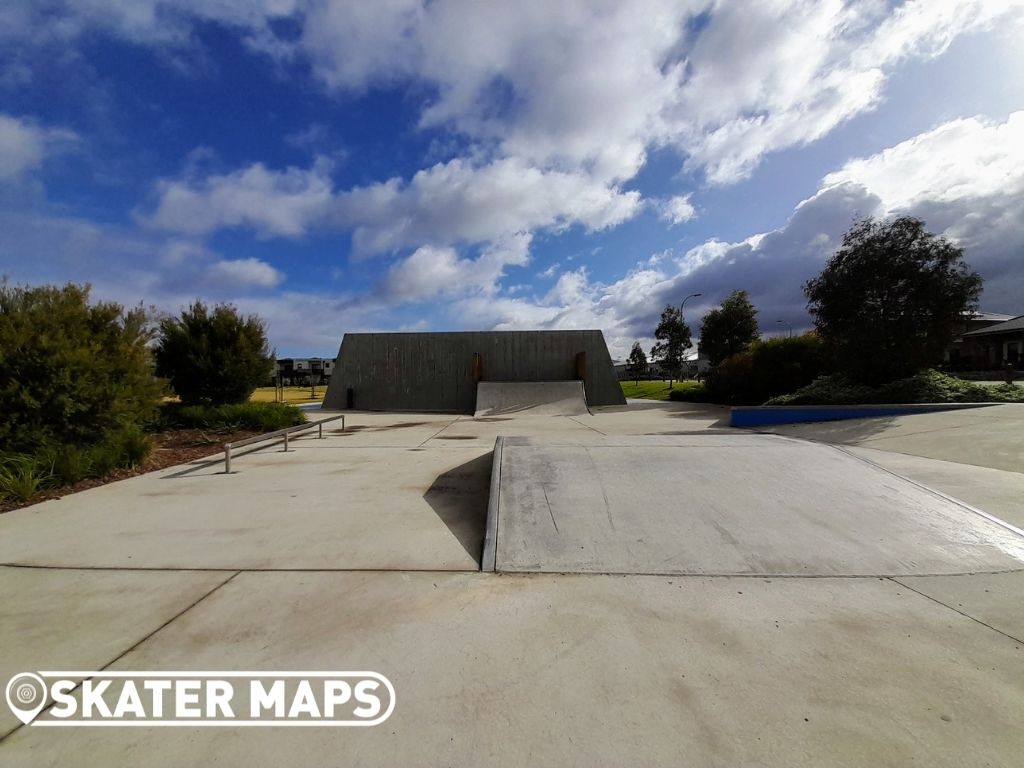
342	165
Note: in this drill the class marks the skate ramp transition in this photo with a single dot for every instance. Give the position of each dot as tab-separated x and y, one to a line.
722	504
530	398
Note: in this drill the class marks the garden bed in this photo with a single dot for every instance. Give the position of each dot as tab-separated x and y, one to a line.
171	447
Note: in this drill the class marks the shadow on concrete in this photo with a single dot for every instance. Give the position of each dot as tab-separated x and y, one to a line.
459	497
702	412
845	432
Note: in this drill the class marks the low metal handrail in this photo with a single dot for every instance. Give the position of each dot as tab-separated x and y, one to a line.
228	447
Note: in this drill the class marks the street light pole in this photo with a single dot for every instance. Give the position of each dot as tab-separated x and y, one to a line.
691	296
790	325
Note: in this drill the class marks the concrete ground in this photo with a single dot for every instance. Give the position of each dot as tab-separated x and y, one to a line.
360	551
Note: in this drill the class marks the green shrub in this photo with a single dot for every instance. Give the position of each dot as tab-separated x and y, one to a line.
213	356
261	417
689	392
826	390
21	477
926	387
105	457
765	369
135	445
69	463
70	370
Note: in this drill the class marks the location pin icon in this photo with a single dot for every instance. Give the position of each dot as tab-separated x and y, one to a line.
26	696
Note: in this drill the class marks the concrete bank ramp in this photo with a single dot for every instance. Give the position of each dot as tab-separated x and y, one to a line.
727	505
533	398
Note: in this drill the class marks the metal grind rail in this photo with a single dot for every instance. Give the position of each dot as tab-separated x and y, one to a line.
228	447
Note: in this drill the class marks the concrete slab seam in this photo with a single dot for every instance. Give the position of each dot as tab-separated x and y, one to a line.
896	580
593	429
137	643
939	494
489	556
442	429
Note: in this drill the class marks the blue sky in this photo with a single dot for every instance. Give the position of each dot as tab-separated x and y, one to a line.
347	166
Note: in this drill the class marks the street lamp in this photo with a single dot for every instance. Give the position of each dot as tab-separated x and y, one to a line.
691	296
790	325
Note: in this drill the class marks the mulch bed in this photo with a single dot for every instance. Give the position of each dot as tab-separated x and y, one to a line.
173	447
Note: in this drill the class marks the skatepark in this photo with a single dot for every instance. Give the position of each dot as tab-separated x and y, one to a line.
552	582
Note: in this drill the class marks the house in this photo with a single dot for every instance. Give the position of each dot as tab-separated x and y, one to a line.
991	346
303	371
694	365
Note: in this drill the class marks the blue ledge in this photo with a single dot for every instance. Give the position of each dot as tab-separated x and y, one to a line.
763	415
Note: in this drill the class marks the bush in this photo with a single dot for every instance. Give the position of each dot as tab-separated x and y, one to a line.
926	387
21	477
213	356
766	369
261	417
69	464
690	392
135	447
70	370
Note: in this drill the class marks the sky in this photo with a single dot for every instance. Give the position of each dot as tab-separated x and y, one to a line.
339	165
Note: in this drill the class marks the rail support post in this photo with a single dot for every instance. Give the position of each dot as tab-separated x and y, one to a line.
286	442
227	458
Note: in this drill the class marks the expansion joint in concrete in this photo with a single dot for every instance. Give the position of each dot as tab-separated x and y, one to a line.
143	639
903	584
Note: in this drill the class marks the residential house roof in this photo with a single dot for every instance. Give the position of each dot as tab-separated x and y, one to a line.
1013	325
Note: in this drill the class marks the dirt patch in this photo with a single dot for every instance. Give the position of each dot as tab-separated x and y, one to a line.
173	447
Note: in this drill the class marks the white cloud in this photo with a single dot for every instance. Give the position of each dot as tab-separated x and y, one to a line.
432	271
24	145
454	202
579	86
458	202
550	272
676	210
966	158
242	273
283	203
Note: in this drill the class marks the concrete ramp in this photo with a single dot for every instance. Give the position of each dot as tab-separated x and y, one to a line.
533	398
723	504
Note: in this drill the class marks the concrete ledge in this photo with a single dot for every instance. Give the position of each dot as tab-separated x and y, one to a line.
489	554
764	415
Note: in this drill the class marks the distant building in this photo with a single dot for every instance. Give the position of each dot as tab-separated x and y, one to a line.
987	341
991	346
303	371
694	364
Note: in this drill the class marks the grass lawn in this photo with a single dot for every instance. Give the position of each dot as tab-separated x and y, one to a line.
655	390
293	395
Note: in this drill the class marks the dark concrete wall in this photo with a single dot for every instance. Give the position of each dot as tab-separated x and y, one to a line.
434	371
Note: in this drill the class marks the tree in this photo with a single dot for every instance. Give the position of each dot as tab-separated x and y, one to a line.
213	356
673	337
71	373
889	300
637	362
729	329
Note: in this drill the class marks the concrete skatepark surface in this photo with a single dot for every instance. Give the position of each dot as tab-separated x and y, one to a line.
756	505
532	398
362	550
